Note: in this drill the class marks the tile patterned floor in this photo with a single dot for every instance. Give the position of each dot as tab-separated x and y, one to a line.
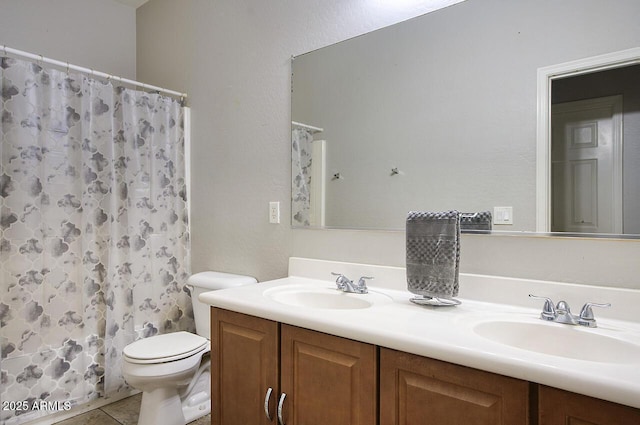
123	412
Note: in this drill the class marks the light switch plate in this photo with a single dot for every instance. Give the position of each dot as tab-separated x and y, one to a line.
274	212
502	215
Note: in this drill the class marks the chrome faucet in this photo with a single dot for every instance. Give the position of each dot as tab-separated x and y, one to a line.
561	313
586	314
345	285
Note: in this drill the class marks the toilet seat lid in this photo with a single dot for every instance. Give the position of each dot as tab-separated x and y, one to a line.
166	347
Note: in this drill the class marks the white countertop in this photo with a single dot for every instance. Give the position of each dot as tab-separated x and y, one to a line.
447	333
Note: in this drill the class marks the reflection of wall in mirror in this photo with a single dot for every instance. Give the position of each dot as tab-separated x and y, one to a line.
461	124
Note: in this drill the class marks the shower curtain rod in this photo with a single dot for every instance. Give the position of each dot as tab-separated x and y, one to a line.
307	127
68	66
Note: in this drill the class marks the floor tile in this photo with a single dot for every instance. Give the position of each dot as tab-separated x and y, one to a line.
125	411
205	420
93	417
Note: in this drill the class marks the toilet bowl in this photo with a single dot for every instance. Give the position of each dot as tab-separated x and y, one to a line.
162	367
173	370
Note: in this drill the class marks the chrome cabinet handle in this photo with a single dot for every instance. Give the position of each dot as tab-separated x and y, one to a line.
280	403
267	401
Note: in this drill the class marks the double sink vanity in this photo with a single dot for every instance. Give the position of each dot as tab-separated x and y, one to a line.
298	350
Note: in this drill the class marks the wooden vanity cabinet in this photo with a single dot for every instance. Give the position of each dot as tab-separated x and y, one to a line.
327	379
244	365
558	407
333	380
324	379
419	390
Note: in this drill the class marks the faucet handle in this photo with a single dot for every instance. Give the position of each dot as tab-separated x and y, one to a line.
586	314
362	284
361	281
548	310
340	276
341	280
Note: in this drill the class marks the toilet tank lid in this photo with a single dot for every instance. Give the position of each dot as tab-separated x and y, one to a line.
218	280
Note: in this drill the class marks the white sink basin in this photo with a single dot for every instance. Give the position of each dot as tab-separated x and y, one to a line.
560	340
324	298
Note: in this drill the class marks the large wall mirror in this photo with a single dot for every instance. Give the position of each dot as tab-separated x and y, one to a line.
441	112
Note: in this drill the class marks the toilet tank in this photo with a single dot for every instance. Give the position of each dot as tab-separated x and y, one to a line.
211	281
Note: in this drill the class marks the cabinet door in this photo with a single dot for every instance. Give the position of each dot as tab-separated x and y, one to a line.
244	365
327	379
418	390
558	407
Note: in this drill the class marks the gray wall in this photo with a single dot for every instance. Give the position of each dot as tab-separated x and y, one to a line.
236	69
233	58
94	34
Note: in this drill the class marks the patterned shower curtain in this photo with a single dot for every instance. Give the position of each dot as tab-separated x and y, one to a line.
94	238
301	140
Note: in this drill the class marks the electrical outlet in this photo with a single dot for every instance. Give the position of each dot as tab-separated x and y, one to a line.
274	212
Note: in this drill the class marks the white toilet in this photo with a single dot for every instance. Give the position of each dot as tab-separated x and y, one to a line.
173	370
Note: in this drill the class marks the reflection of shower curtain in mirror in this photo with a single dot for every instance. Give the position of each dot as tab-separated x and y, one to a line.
301	159
94	237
